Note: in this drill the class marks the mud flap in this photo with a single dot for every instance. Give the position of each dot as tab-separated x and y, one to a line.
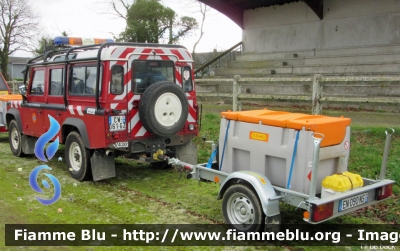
272	223
28	144
103	166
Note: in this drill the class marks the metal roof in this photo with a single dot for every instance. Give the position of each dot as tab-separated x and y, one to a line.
234	8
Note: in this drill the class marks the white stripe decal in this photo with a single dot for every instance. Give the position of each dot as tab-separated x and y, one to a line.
79	109
135	120
114	105
71	109
141	132
190	118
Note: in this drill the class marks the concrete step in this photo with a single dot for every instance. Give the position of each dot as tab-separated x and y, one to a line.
360	69
367	69
354	59
273	56
265	63
229	72
383	49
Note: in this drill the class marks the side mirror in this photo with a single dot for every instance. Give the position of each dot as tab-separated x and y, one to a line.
22	90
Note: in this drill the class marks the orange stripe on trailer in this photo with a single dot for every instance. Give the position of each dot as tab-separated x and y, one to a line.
10	97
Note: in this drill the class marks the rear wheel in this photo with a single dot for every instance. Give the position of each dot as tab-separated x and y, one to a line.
15	139
77	157
242	209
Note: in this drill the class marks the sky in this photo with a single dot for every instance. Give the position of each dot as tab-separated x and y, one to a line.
89	19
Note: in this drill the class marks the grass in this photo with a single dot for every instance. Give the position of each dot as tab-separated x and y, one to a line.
140	194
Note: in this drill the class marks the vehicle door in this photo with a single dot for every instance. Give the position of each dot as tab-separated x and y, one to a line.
145	73
55	100
118	97
33	114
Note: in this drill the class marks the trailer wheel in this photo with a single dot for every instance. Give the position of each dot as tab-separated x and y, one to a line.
15	139
77	157
242	209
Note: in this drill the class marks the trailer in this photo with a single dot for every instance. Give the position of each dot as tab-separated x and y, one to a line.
5	96
265	157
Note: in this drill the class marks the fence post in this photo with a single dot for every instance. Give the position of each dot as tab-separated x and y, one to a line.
316	95
237	105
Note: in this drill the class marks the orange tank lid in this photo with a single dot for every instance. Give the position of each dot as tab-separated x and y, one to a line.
333	128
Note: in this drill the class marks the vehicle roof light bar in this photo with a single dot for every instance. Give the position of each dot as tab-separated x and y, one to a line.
78	41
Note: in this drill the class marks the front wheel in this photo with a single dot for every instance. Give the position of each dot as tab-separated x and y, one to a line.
77	157
242	209
15	139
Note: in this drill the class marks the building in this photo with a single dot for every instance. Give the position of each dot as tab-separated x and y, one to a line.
16	66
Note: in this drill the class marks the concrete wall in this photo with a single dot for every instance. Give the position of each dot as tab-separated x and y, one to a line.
346	23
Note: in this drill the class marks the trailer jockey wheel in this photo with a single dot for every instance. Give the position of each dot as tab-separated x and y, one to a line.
242	209
163	109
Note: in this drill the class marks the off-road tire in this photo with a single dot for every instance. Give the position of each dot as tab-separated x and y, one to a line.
15	139
163	109
77	157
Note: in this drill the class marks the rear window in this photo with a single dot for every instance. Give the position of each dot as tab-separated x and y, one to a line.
148	72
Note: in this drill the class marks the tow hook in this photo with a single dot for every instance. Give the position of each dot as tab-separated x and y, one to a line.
159	155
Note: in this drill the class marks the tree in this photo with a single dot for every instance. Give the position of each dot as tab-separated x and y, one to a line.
43	42
203	10
149	21
17	22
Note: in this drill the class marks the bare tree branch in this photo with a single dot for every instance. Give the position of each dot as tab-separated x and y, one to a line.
17	23
203	10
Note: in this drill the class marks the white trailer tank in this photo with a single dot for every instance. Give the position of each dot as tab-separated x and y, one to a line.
264	141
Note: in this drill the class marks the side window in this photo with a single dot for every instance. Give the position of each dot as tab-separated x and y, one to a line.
37	83
187	83
83	81
117	79
56	82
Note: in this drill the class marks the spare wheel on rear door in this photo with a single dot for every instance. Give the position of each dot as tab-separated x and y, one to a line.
163	108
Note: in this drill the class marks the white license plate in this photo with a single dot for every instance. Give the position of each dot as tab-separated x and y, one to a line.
121	144
116	123
353	201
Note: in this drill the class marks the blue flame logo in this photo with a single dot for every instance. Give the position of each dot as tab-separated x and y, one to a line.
50	151
45	138
35	185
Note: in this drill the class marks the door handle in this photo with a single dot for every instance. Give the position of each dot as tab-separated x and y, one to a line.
58	114
39	111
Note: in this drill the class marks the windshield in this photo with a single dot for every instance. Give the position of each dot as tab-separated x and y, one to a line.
146	73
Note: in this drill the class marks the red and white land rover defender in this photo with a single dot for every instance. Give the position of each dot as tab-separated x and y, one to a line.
110	99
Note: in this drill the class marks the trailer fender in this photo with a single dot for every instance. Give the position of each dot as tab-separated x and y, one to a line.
80	125
261	185
11	114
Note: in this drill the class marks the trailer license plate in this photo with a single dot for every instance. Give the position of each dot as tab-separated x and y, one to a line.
116	123
353	201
